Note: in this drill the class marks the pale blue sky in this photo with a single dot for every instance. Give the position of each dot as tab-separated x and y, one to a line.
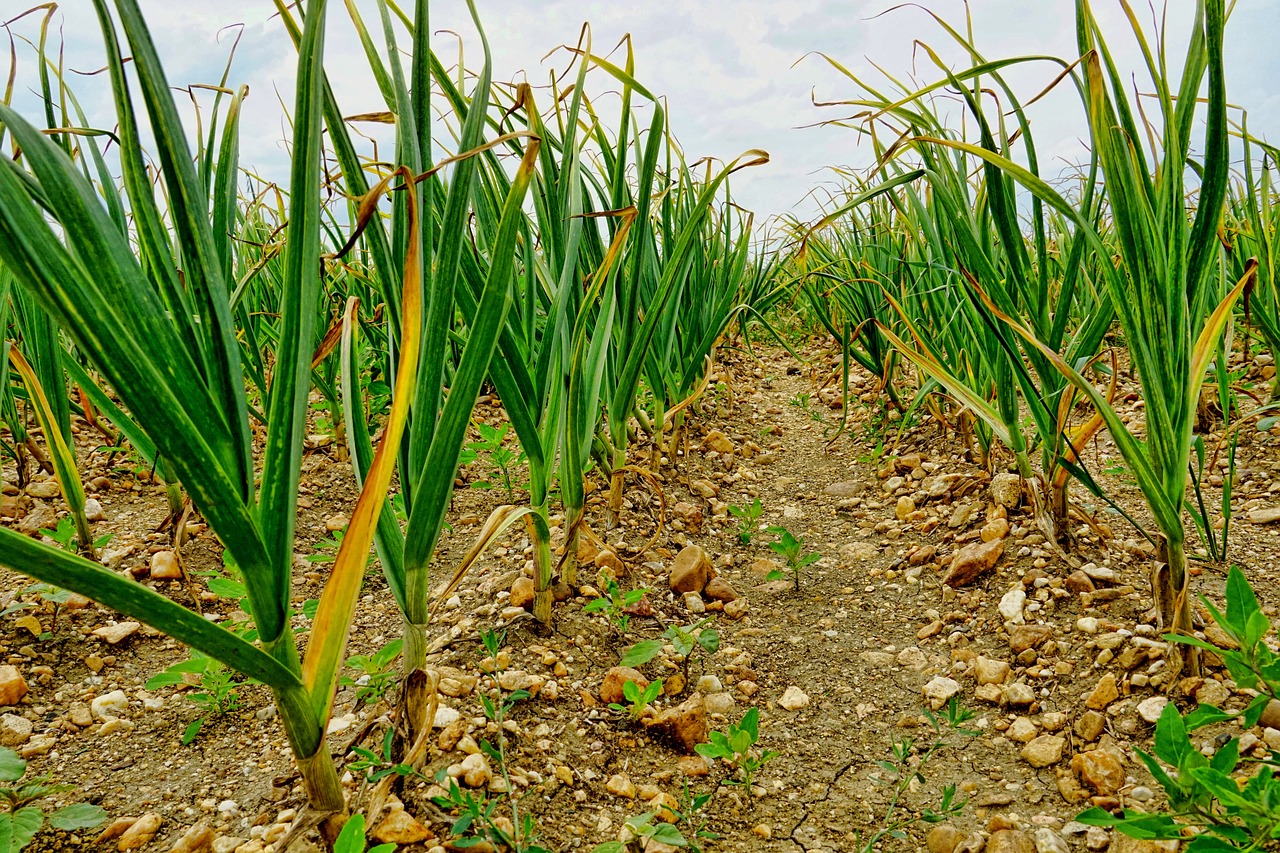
728	67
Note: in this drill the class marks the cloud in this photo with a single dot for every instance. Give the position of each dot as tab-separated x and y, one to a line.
736	73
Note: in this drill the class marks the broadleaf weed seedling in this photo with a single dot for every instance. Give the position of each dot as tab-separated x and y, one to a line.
737	746
614	603
791	548
638	700
747	517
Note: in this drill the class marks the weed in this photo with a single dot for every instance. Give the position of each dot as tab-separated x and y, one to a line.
685	640
65	536
747	517
351	839
492	441
377	676
218	694
791	548
638	699
24	817
737	746
614	603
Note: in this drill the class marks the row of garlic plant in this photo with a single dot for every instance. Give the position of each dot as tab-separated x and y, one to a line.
1009	282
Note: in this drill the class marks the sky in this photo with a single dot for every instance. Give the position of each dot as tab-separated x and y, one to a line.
737	74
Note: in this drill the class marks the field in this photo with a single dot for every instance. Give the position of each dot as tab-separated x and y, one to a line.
497	482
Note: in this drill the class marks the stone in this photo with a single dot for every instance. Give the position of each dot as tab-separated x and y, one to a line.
912	658
963	514
1044	750
1048	841
611	689
108	706
164	566
988	671
1100	770
1022	730
1104	693
1270	714
143	830
694	604
690	514
1010	841
972	561
693	766
118	632
718	589
944	839
1261	515
1089	726
1011	604
226	844
93	510
736	609
793	699
1023	637
996	528
621	786
475	770
195	840
1019	695
1078	582
400	827
522	592
684	726
844	489
691	571
15	730
47	489
1006	490
717	441
904	507
857	552
940	690
12	685
1152	707
1212	692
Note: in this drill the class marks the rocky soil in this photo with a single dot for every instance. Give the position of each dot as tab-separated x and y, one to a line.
932	585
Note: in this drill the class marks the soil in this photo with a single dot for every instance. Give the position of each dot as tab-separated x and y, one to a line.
869	626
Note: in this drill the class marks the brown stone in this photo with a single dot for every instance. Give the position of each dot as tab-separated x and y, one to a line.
1023	637
1070	788
1125	844
197	839
522	592
719	589
12	686
1078	582
611	689
1010	841
1271	715
164	566
691	570
1044	750
684	726
693	766
717	441
944	839
606	559
400	827
1089	726
689	513
972	561
1104	693
142	831
988	671
1100	770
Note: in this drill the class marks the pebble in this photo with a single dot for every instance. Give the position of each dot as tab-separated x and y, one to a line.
1044	750
691	570
143	830
940	690
1089	726
118	632
972	561
400	827
1048	841
1151	708
793	699
708	684
93	510
12	686
164	566
1011	605
1104	693
109	705
196	839
1100	770
15	730
1006	490
1022	730
1010	841
621	786
694	604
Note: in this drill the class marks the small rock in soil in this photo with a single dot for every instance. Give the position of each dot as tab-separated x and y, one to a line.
1104	693
522	592
1125	844
1023	637
1048	841
109	705
143	830
611	689
1044	750
118	632
1151	708
988	671
1261	515
1090	725
164	566
1100	770
621	786
972	561
718	589
940	690
684	726
1006	490
12	685
1078	582
15	730
944	839
1011	605
691	570
400	827
195	840
845	489
793	698
1010	841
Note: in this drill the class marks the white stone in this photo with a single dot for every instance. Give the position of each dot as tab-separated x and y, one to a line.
109	705
793	699
1152	707
1011	605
